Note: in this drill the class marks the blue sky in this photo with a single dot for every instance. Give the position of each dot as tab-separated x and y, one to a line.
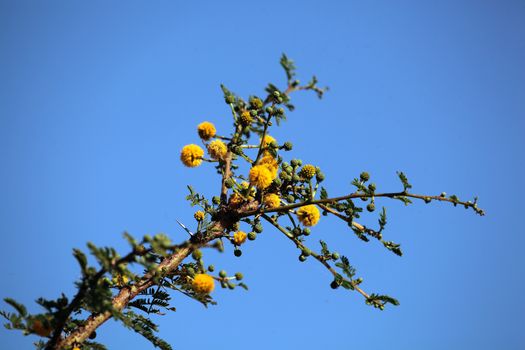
97	99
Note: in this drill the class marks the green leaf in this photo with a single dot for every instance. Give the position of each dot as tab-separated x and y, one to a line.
324	193
404	181
21	309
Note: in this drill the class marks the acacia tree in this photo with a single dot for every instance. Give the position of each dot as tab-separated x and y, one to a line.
257	186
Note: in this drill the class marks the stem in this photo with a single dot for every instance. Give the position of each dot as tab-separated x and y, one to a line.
317	257
363	195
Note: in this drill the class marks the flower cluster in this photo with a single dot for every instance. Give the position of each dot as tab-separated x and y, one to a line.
308	215
203	283
239	237
191	155
206	130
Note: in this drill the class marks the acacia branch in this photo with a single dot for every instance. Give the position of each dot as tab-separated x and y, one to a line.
317	257
364	195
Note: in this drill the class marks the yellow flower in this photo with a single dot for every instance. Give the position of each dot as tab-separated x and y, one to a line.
272	200
76	348
203	283
308	215
246	118
239	237
267	140
271	163
199	215
261	177
191	155
217	149
308	171
206	130
236	200
41	329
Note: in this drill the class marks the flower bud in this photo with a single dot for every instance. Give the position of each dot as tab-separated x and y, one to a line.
238	276
223	274
197	254
258	228
371	207
364	176
252	236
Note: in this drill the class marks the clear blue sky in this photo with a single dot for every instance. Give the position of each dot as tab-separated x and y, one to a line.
97	98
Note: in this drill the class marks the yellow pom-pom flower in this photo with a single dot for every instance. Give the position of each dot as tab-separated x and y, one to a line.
272	200
239	237
236	200
308	215
246	118
271	163
206	130
217	149
267	140
261	177
308	171
199	215
203	283
191	155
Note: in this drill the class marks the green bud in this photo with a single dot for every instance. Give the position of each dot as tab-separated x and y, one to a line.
364	176
197	254
238	276
258	228
335	256
277	182
294	162
290	198
334	285
372	187
93	335
253	112
216	200
443	194
296	231
305	252
274	144
276	93
237	252
296	178
428	200
371	207
230	182
302	258
319	176
230	99
288	146
231	285
211	268
223	274
280	99
191	271
252	236
269	110
256	102
306	231
280	111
